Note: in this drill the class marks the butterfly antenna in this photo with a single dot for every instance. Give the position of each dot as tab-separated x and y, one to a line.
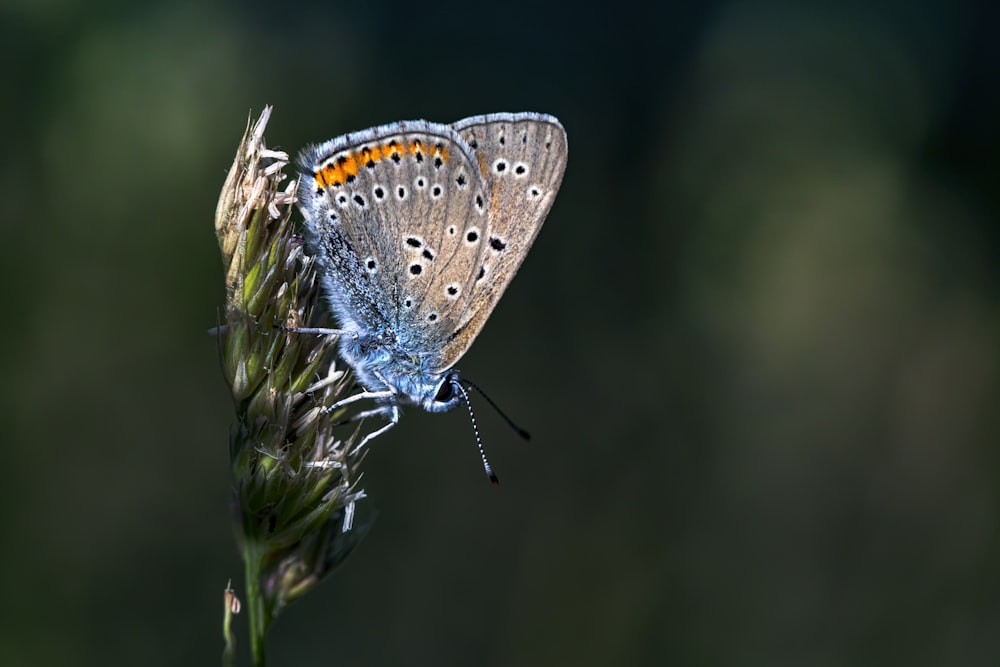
479	442
510	422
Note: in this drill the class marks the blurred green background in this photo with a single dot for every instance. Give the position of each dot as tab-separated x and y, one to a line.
756	342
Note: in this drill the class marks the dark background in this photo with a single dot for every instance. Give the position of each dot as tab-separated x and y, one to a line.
756	341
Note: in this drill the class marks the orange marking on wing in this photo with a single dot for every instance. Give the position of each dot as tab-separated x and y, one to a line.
330	175
391	149
370	156
439	151
349	165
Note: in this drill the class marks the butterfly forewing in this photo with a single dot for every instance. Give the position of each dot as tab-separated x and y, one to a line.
522	157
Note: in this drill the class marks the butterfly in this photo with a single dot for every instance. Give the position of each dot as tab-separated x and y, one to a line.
418	228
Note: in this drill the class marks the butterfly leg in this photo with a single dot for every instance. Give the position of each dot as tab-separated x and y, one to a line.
393	418
360	396
323	331
391	412
375	412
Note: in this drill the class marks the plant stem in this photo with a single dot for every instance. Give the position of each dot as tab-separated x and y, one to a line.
258	620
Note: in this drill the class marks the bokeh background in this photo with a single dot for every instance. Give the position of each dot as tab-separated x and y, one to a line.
756	341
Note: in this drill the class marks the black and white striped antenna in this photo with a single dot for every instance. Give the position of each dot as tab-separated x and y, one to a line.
510	422
479	442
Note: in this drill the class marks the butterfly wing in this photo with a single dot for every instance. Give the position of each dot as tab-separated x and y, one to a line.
522	158
389	212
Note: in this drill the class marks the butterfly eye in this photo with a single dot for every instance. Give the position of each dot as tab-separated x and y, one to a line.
445	392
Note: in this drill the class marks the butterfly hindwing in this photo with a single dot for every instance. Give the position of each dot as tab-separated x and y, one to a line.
522	158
